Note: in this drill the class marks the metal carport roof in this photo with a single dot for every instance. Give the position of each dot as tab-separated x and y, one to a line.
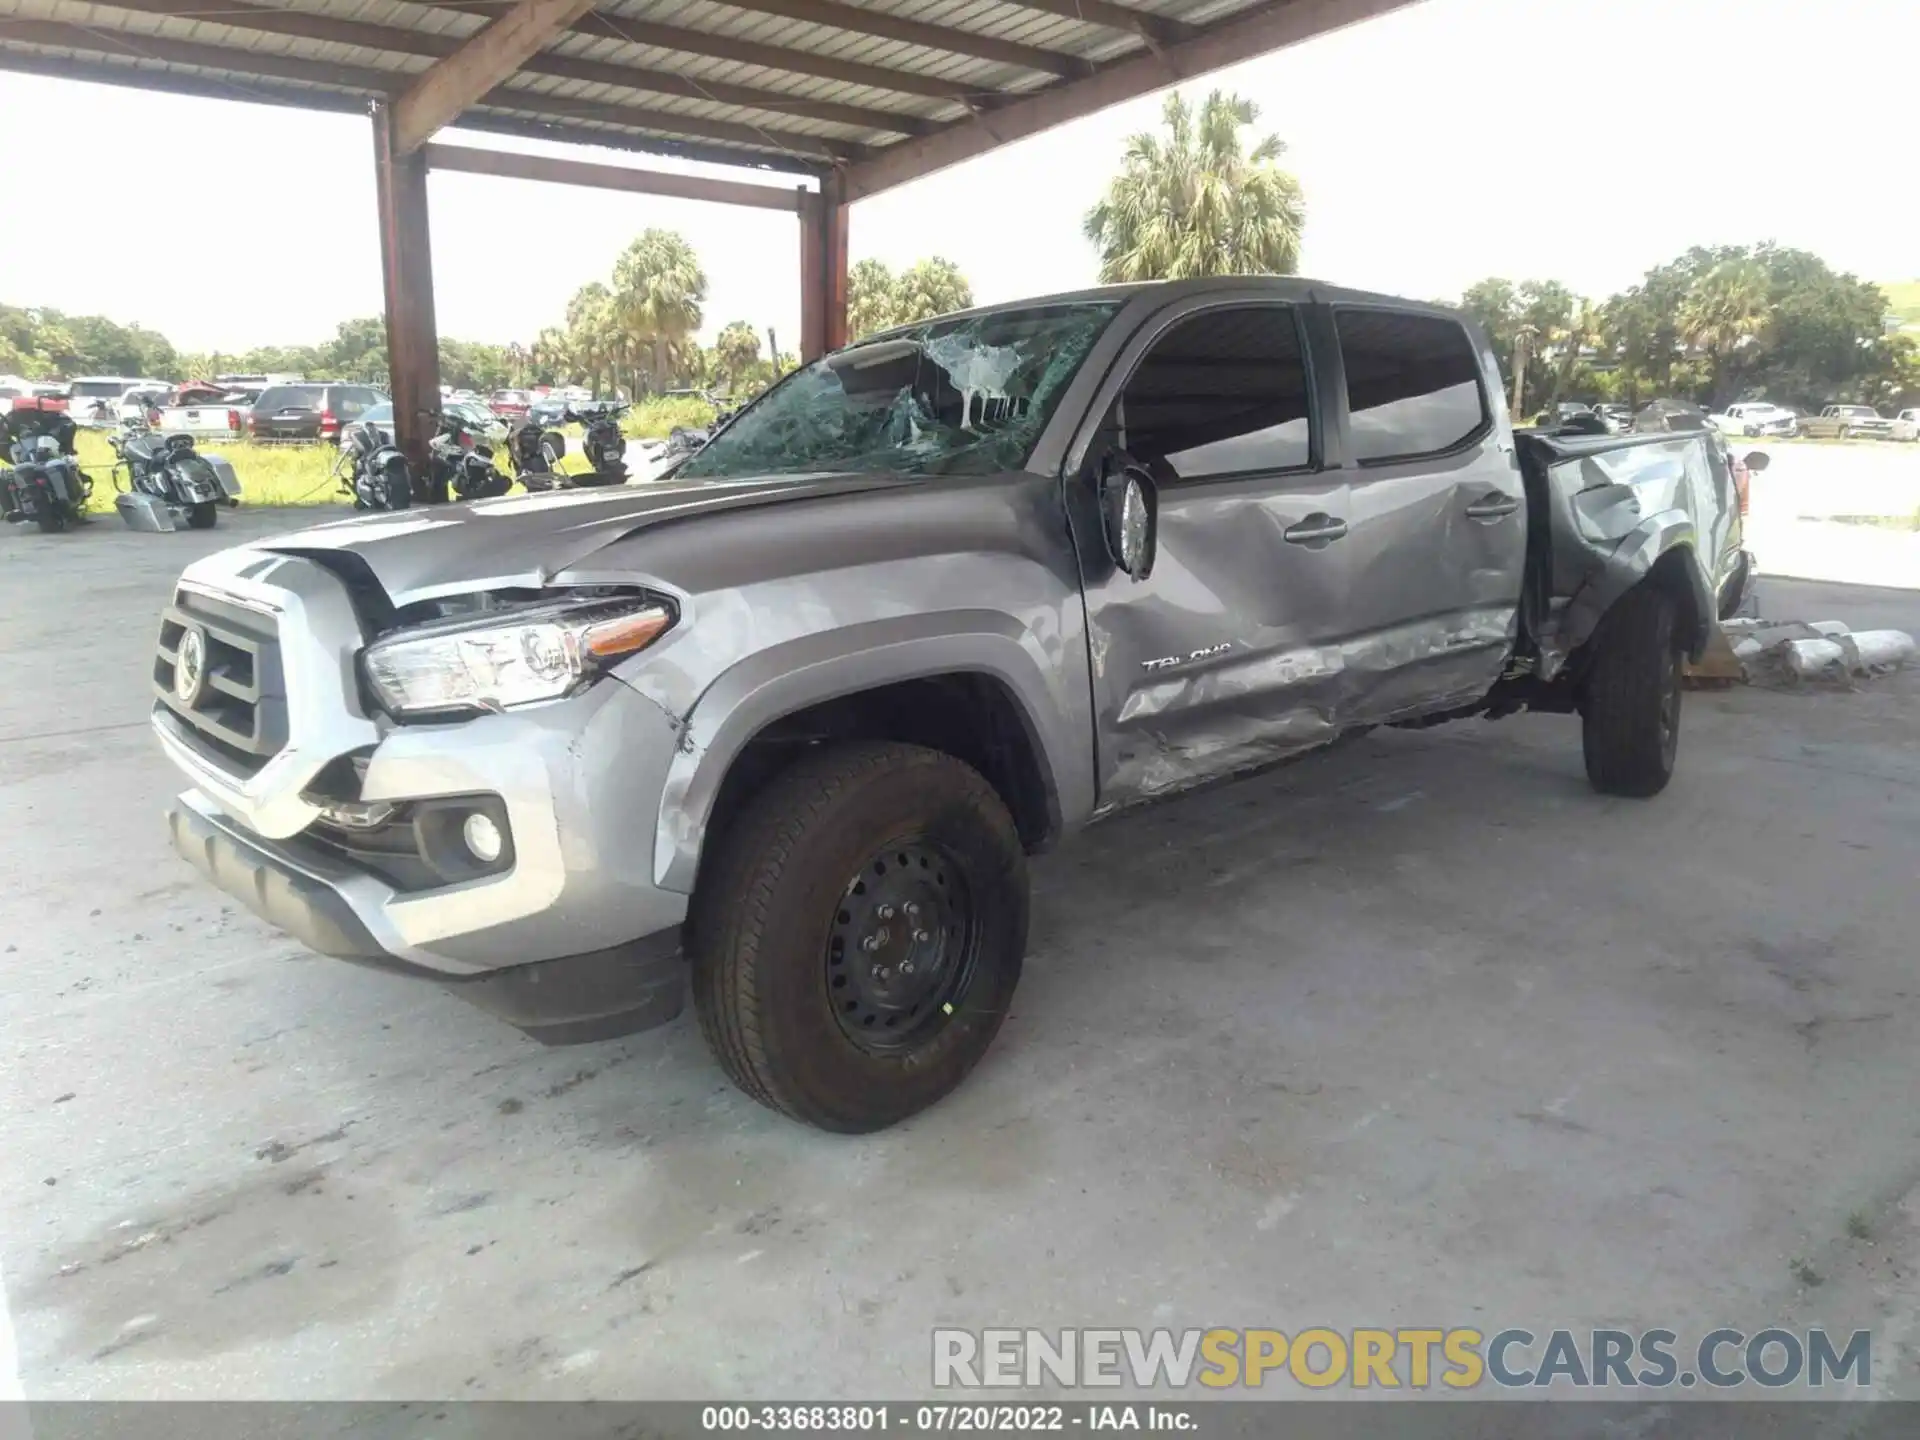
878	91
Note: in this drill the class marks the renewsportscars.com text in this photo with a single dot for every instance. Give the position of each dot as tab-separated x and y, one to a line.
1321	1358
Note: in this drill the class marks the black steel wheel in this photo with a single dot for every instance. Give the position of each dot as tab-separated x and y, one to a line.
857	933
902	946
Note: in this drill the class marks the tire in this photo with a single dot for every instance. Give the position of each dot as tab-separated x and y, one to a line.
203	515
1845	432
783	914
52	519
1630	713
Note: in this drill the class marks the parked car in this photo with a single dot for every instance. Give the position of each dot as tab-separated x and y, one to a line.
1757	417
509	404
804	706
95	399
1845	421
477	418
1906	425
1617	417
313	410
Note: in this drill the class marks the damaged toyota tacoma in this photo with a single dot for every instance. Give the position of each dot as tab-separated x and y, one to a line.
785	725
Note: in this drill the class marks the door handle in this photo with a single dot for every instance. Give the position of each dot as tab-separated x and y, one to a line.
1316	532
1494	505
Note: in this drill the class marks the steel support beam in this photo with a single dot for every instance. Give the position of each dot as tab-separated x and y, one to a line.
823	269
516	166
406	268
945	38
485	60
1271	26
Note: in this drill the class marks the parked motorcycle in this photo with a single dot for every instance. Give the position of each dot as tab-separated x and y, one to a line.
605	447
460	465
535	454
377	475
44	483
169	483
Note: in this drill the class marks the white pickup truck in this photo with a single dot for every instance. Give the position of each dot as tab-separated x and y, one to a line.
207	412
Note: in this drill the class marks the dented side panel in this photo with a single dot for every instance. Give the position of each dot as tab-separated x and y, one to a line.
1614	513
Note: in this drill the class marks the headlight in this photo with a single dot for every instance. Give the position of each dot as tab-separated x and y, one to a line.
504	660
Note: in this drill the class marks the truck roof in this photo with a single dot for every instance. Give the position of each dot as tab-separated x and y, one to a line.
1283	287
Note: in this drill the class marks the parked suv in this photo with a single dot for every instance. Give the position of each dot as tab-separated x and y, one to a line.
312	410
800	711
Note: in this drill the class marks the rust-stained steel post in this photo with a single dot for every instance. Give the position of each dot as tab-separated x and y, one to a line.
823	269
406	268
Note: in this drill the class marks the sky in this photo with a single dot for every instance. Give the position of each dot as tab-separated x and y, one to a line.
1578	140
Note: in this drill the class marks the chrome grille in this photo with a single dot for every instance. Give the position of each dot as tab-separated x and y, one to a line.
238	721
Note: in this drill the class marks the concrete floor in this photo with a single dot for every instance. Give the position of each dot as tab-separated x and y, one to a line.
1416	1031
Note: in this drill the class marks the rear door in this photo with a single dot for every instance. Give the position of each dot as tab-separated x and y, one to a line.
1437	524
1228	653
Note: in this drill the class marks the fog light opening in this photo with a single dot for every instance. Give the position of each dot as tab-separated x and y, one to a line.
483	839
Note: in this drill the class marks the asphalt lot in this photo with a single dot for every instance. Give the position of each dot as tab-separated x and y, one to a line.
1416	1031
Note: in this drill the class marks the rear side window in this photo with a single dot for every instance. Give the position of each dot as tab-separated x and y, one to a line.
1413	384
1223	392
290	397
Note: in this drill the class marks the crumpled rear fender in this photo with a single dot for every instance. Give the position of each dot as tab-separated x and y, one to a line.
1647	546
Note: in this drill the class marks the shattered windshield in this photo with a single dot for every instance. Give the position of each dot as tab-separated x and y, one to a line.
950	397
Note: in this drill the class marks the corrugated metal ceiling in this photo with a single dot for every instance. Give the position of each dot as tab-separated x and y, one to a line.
789	84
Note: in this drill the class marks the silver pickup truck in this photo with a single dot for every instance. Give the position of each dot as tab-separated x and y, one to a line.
787	723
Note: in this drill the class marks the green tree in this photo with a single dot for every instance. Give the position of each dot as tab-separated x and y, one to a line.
736	358
870	299
1195	201
592	334
658	287
930	287
1721	321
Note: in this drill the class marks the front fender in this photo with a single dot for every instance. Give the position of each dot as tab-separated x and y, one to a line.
763	687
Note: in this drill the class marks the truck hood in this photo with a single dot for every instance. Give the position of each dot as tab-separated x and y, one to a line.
525	540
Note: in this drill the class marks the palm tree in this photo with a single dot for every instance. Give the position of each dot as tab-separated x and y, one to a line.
1195	202
870	298
931	287
1725	311
658	286
736	356
591	331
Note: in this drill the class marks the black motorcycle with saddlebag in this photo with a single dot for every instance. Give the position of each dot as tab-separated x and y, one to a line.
42	482
169	483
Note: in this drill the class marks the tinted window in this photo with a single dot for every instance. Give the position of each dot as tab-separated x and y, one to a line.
1221	393
1413	383
290	397
91	388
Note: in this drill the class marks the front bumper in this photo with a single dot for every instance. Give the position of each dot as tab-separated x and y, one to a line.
327	905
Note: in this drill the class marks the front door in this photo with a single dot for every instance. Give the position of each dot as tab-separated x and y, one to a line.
1437	524
1228	654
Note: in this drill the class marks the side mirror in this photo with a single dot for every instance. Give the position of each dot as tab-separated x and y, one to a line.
1130	514
1758	460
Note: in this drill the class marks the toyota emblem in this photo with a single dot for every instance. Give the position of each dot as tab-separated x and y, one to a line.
190	666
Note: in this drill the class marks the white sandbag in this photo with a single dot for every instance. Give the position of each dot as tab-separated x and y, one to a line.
1831	629
1742	625
1865	651
1748	648
1812	657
